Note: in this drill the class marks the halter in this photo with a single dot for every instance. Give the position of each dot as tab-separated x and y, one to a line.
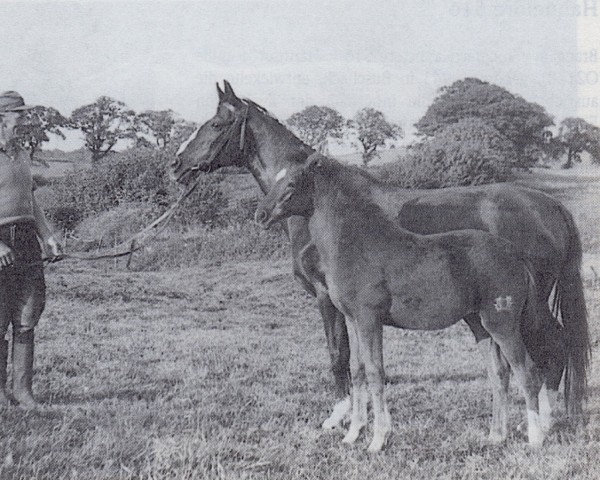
224	138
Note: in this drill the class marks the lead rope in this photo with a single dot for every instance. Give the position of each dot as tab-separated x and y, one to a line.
137	242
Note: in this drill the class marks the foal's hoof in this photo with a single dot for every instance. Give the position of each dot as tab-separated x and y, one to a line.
376	444
351	436
331	424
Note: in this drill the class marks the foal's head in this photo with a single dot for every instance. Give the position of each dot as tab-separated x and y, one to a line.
292	194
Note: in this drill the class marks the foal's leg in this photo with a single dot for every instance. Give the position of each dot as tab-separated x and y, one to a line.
307	270
339	353
359	390
370	340
504	327
499	376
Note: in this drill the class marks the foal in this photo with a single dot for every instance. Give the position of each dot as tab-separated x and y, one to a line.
378	273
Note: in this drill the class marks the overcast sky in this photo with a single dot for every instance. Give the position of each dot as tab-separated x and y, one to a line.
286	55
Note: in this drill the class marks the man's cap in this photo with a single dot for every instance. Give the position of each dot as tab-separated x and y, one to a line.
13	102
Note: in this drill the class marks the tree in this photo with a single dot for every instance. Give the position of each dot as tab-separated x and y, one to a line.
577	136
314	125
35	126
372	131
182	130
159	124
522	123
104	123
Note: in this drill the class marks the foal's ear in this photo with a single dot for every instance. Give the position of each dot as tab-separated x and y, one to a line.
314	166
220	92
316	162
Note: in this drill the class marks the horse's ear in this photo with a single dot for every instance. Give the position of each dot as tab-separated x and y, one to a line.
220	92
228	90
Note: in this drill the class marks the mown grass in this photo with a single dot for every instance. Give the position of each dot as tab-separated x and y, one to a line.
217	368
220	371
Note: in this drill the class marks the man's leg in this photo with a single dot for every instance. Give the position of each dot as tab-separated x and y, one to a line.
5	316
31	306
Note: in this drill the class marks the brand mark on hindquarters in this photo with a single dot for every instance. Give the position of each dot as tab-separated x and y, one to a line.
503	304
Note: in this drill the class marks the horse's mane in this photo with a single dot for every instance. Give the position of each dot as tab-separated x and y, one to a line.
260	108
293	139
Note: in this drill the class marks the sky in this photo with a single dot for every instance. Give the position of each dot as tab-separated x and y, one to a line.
286	55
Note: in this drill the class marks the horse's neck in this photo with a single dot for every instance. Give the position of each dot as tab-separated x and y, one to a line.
275	149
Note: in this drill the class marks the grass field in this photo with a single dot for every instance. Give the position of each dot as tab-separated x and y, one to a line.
220	371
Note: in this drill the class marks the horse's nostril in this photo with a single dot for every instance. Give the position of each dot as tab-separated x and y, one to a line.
175	163
261	216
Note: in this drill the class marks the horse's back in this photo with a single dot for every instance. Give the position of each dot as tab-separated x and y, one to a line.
531	219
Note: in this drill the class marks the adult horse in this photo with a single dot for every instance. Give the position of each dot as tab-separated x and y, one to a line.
242	133
379	273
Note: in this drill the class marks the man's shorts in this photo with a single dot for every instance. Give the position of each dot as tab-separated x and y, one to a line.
22	285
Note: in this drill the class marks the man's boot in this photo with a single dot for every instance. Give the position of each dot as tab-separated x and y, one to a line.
23	369
4	401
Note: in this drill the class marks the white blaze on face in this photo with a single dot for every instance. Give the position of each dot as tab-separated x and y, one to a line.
229	107
185	144
281	174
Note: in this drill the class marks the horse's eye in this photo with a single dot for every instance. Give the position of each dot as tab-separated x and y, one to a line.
215	124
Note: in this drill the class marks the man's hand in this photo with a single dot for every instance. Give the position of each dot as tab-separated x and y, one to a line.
7	257
54	249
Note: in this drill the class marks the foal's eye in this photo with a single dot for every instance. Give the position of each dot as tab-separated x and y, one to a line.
215	124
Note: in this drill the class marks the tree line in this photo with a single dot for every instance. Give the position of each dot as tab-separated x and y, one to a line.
103	124
473	132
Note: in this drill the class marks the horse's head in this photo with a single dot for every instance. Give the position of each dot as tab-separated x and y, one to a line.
220	142
292	194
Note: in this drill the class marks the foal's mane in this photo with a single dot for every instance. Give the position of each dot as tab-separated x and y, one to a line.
354	184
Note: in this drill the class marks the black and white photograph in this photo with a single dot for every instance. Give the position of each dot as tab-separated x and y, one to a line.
299	240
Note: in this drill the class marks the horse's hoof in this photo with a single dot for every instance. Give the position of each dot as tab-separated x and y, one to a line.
340	412
536	440
547	424
495	438
536	444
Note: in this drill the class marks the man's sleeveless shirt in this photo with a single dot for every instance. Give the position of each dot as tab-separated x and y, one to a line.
16	187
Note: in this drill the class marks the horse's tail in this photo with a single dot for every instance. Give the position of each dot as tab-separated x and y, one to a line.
531	319
569	307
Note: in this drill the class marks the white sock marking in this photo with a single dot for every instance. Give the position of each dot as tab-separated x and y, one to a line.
340	411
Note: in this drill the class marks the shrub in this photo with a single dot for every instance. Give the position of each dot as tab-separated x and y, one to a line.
136	176
468	152
240	242
114	226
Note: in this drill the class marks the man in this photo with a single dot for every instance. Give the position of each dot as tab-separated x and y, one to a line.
22	287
